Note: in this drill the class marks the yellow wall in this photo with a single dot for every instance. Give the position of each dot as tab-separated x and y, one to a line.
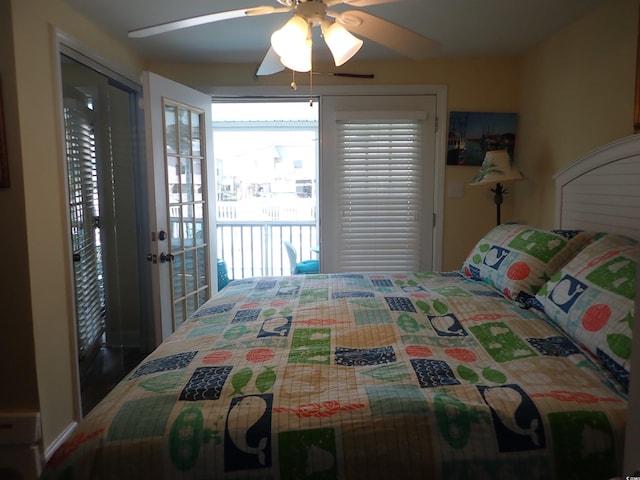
577	94
573	92
16	339
36	142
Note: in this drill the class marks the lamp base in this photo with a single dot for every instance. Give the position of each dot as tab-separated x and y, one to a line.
498	192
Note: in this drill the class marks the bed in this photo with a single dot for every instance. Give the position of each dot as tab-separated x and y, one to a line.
515	366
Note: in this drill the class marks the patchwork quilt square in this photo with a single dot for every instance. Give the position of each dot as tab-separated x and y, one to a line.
248	315
358	357
205	384
141	418
222	308
163	364
554	346
433	373
400	304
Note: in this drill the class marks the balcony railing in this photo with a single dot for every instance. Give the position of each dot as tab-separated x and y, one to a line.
255	248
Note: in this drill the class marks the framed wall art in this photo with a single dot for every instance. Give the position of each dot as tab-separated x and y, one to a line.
472	134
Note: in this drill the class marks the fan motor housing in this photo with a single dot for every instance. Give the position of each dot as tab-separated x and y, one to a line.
312	11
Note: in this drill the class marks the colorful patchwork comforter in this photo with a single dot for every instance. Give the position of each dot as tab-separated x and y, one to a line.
349	376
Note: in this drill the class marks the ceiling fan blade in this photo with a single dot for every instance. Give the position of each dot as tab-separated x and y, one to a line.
400	39
270	64
204	19
345	75
366	3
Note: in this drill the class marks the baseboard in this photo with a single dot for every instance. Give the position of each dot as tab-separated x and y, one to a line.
59	440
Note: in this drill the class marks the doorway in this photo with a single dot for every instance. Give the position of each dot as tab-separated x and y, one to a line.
266	155
106	199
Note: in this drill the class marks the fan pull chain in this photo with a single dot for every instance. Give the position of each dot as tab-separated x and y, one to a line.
311	87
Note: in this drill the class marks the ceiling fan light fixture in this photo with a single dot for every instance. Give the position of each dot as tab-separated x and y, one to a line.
342	44
292	43
293	34
298	57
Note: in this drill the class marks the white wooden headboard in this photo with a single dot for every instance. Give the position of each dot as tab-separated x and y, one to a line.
601	192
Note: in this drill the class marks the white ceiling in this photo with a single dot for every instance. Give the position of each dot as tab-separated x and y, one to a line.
462	27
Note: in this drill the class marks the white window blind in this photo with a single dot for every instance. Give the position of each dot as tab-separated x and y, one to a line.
85	229
380	194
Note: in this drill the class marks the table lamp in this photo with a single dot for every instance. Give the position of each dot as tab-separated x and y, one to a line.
497	167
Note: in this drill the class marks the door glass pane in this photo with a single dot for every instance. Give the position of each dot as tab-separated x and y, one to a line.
175	227
178	312
178	276
203	296
186	180
171	138
184	131
198	223
190	266
173	180
188	227
202	278
195	134
191	304
197	179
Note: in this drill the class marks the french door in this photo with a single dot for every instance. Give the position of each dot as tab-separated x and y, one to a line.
183	233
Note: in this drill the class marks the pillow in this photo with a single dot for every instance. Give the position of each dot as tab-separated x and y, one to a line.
518	259
592	299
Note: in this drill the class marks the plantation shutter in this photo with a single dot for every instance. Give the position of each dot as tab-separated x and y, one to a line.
85	229
380	193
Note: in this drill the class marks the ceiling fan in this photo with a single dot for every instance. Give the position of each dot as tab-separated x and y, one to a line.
291	45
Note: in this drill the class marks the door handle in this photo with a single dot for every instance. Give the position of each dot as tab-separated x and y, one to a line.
166	257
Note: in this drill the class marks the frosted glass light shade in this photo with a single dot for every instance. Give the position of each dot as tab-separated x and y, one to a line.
341	42
292	43
299	58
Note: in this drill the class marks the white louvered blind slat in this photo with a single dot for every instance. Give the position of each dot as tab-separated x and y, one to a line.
380	196
84	215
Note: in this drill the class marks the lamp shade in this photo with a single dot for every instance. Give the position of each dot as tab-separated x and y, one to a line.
341	42
497	167
292	43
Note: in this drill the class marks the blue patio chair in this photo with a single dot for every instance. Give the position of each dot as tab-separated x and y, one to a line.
300	268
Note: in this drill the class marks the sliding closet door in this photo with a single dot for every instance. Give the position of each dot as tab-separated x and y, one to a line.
107	207
377	183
